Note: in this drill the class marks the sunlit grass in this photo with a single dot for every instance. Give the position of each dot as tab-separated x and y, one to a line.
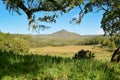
69	51
39	67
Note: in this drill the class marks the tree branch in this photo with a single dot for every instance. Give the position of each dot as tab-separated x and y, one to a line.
25	9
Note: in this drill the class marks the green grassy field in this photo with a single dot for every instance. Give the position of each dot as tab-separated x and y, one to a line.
38	67
48	63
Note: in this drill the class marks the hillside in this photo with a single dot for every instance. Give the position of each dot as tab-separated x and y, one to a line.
59	38
65	34
62	34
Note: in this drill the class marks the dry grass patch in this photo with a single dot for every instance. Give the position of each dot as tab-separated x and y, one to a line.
69	51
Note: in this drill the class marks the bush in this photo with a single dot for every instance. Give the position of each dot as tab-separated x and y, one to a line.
14	46
82	54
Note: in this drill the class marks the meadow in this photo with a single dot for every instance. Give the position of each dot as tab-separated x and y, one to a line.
46	67
101	54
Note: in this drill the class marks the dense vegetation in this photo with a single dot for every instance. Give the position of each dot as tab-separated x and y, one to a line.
82	54
36	67
11	44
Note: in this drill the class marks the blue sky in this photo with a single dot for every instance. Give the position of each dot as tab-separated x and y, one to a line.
18	24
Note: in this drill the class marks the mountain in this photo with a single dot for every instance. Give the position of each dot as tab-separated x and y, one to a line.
64	32
60	34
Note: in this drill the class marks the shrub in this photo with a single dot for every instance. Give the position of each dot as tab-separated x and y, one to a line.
82	54
14	46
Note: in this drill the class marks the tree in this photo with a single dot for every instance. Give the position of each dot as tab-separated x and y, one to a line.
29	7
110	22
111	18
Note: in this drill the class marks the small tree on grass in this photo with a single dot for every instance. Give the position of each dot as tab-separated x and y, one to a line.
82	54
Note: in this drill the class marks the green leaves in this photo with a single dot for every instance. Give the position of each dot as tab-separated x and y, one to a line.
111	18
48	18
32	6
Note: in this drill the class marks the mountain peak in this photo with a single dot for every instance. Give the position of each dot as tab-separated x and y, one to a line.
63	31
65	34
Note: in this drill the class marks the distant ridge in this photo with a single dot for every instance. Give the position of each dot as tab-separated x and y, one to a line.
65	34
60	34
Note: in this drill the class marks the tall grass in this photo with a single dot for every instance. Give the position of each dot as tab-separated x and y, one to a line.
39	67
